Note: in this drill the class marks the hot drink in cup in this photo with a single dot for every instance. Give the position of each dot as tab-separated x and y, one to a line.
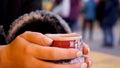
67	41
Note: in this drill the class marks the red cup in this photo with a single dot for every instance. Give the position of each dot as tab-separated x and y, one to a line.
66	42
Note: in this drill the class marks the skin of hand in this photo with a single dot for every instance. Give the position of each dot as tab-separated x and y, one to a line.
29	49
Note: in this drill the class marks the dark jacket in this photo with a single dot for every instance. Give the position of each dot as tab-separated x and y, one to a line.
99	10
109	13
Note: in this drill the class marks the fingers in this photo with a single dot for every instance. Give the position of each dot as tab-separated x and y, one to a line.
53	53
71	36
43	64
88	61
63	35
37	38
55	38
86	49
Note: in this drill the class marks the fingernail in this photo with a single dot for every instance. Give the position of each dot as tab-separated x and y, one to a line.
79	53
88	49
84	65
90	63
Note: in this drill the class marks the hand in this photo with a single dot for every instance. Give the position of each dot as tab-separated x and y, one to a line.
29	50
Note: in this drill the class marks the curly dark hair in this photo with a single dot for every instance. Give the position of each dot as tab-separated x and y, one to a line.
38	21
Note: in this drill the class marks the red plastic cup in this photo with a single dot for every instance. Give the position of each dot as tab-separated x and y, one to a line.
66	42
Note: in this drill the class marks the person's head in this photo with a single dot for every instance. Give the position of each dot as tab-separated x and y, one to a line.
38	21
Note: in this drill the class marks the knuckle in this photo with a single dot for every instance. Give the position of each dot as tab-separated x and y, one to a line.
29	49
17	39
57	53
53	54
25	33
71	53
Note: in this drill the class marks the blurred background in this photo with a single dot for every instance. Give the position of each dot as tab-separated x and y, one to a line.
98	23
96	20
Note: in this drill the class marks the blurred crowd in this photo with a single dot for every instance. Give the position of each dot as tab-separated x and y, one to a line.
105	12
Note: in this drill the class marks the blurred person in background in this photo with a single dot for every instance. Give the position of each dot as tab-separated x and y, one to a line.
71	11
108	16
89	7
99	10
12	9
62	8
